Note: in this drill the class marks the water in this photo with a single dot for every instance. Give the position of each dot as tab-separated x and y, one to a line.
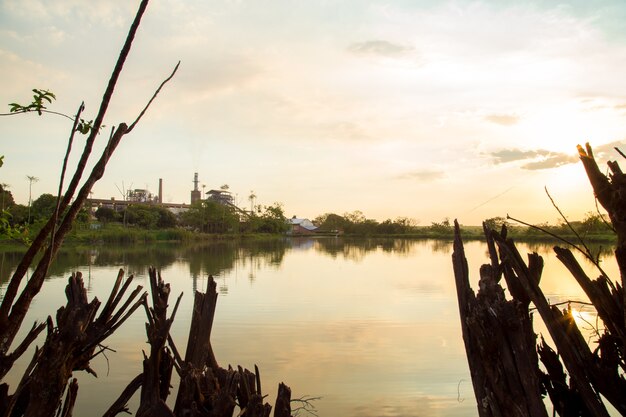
370	326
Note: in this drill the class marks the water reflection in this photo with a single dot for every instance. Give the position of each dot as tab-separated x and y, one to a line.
370	325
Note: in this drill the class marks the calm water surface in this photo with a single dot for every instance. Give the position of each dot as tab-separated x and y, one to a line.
370	326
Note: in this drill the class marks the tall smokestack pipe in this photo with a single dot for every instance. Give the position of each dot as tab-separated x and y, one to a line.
160	190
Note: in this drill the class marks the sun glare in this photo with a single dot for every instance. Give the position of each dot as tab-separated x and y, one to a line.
561	128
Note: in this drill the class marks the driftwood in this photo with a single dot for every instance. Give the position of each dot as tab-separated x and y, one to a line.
499	342
69	346
577	379
205	389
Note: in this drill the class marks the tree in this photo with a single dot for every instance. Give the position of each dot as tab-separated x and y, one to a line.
594	222
442	227
167	219
211	217
142	215
31	180
273	219
330	222
6	197
19	214
107	215
43	207
496	223
252	197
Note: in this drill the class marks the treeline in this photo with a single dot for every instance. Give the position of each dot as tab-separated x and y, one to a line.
145	221
357	224
593	227
203	216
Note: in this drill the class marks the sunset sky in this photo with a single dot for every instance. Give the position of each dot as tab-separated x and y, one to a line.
423	109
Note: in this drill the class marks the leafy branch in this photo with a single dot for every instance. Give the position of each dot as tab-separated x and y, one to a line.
38	102
40	99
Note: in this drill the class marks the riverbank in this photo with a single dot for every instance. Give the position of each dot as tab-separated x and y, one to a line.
118	234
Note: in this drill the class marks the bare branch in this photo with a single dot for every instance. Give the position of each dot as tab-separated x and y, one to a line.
158	90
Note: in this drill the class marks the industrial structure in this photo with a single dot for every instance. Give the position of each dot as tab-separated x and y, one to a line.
195	193
144	196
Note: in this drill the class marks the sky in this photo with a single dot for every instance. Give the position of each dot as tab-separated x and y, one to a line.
421	109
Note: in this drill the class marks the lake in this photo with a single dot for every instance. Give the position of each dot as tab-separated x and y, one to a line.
371	326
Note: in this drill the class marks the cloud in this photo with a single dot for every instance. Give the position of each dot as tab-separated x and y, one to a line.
535	159
502	119
552	160
422	175
607	151
379	47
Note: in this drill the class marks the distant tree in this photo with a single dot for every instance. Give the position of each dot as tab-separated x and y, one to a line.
273	220
142	216
211	217
83	216
43	207
107	215
252	197
6	198
18	214
356	216
594	222
166	218
330	222
495	223
443	227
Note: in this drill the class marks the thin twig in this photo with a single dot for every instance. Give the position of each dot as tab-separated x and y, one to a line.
567	242
609	225
306	406
41	110
70	141
569	225
158	90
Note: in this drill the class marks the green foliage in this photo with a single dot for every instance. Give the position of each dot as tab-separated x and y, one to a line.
19	214
272	220
142	216
6	197
594	222
330	222
356	223
167	219
37	104
496	223
443	227
211	217
107	215
43	207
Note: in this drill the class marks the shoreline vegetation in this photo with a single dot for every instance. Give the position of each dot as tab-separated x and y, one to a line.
119	234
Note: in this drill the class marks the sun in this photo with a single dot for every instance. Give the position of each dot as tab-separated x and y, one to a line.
559	127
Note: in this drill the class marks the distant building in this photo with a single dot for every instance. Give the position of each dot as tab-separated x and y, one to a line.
301	226
221	196
141	196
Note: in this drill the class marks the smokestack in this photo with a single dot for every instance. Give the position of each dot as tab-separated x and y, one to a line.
160	190
195	193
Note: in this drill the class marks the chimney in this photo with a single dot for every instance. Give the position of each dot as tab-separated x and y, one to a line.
160	190
195	193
